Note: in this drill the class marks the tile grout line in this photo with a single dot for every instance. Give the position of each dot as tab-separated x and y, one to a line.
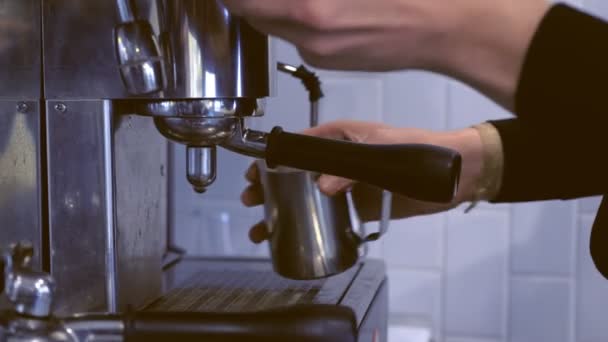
574	270
508	296
448	105
532	276
381	114
442	330
381	83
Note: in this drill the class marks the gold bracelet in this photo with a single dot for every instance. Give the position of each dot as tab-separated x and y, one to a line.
489	182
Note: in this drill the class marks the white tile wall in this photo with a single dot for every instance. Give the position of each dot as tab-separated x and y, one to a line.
415	99
469	339
468	108
416	294
416	243
540	310
598	7
409	334
591	292
362	104
506	273
589	205
476	273
543	235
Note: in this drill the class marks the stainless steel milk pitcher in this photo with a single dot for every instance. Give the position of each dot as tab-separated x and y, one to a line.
311	235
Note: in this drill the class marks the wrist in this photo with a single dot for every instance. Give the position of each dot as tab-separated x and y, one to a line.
468	143
482	162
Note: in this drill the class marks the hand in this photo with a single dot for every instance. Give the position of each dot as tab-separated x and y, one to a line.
368	199
480	42
351	34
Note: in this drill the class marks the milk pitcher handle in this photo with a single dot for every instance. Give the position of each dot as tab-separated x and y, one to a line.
385	219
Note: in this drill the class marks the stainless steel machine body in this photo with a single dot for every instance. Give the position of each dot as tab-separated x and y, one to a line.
87	92
207	300
207	53
20	123
82	176
103	62
107	204
190	64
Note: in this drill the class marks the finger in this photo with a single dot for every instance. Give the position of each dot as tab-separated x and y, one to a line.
259	233
334	130
253	173
259	8
253	195
355	131
332	185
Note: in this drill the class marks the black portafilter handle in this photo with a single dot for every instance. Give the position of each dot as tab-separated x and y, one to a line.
314	323
423	172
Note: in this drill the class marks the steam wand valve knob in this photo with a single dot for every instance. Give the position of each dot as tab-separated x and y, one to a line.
30	292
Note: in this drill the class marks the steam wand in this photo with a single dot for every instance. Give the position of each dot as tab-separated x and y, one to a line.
311	83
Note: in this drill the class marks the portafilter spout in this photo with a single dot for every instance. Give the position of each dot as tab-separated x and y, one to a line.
201	167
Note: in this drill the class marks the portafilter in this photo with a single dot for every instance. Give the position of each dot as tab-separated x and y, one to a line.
423	172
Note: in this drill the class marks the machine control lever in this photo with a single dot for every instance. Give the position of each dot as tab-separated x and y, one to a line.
30	292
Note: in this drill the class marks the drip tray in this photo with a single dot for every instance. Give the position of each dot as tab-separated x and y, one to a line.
243	286
236	291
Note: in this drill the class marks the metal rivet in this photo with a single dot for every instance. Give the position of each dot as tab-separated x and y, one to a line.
61	108
22	107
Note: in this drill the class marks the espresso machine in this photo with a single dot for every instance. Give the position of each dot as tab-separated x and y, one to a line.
91	93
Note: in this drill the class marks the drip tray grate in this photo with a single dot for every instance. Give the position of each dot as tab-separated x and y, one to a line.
238	291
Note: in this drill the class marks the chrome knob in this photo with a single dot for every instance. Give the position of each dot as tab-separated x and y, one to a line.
139	57
30	292
141	64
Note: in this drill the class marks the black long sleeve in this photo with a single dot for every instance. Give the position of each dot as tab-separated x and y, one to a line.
558	146
564	78
540	163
